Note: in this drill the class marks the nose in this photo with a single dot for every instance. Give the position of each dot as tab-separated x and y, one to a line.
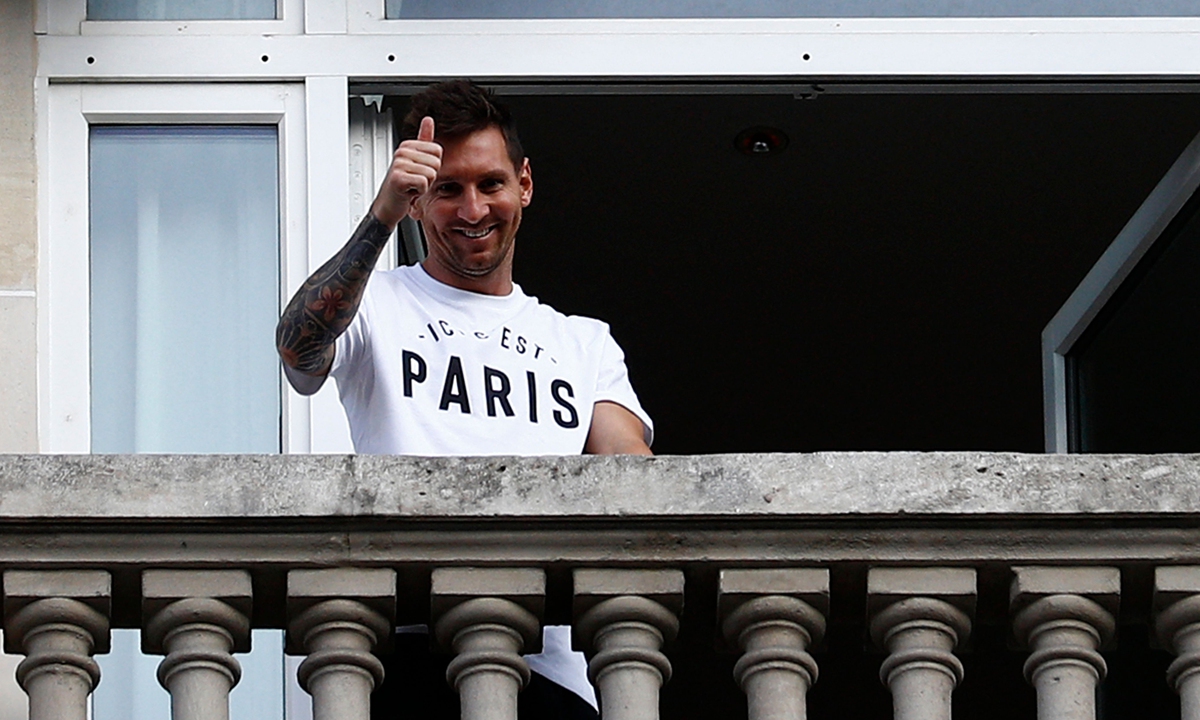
473	206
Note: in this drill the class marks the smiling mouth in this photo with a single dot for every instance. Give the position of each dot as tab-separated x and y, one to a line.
475	234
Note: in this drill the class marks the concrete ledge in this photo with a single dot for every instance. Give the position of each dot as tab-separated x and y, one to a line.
116	487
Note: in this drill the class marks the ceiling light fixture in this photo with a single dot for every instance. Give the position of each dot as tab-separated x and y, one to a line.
761	140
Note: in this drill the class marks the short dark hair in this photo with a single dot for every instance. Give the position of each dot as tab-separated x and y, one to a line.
459	108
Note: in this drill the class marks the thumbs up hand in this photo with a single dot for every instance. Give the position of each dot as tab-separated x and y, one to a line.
415	166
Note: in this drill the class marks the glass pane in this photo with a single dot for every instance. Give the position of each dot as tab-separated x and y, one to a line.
785	8
1137	371
184	289
13	701
181	10
129	689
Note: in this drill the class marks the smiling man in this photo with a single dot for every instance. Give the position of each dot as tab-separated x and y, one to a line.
450	357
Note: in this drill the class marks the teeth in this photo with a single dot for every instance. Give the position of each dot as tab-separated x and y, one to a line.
475	234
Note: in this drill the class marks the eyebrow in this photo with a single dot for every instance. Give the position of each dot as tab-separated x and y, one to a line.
497	174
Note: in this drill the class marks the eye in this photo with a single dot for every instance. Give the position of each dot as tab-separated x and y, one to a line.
446	189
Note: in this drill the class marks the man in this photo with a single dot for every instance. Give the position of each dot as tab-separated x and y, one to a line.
451	357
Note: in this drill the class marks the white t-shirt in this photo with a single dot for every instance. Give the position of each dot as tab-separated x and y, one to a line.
429	369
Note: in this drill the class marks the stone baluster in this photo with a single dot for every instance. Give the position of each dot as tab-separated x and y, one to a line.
623	619
58	620
197	619
919	616
774	617
1065	615
1177	622
488	617
336	618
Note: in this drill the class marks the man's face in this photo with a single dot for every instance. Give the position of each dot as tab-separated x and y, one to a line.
473	209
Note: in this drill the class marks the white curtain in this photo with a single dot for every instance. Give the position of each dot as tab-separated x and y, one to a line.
185	278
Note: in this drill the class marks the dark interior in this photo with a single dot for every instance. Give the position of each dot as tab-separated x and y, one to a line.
1135	374
880	284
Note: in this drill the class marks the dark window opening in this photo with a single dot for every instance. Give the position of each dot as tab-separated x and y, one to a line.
879	284
1135	374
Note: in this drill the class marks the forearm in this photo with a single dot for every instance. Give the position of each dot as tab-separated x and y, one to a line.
323	307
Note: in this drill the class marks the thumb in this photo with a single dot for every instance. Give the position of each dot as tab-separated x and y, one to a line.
425	134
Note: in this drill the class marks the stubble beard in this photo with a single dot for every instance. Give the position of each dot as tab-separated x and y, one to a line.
458	264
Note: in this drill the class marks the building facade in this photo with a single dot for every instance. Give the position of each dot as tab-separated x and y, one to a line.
952	239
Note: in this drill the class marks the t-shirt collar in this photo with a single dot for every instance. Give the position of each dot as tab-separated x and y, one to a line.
456	296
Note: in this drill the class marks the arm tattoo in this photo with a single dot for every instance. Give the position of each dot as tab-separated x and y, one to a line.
323	307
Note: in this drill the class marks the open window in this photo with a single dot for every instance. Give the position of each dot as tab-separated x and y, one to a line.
1122	356
880	283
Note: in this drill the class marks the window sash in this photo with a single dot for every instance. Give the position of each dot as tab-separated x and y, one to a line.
64	356
1101	283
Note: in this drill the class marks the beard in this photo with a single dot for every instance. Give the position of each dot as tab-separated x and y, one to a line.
473	265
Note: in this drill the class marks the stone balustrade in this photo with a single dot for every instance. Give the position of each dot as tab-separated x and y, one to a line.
771	585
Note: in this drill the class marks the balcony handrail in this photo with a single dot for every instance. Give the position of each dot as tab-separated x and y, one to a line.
852	485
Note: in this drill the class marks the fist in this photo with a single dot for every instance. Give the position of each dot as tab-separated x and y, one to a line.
414	167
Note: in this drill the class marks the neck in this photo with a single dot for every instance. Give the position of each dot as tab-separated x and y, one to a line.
497	282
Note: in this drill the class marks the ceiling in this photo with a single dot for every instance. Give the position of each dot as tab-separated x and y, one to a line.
881	284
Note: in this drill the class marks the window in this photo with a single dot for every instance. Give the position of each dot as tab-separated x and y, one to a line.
406	9
1121	354
1135	374
181	9
134	132
880	283
184	281
210	18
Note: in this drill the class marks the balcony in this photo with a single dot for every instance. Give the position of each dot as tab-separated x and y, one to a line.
767	586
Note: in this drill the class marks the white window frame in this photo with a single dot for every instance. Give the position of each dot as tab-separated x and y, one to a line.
924	49
1146	226
64	358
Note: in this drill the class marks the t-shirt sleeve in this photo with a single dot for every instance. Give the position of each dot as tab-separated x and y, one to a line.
613	384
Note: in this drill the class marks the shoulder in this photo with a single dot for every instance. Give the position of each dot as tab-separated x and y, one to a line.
579	327
402	275
389	282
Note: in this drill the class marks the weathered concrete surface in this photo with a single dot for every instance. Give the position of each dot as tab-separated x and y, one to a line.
811	585
18	173
18	374
18	231
812	485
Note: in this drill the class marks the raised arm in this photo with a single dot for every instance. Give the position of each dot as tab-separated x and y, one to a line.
323	307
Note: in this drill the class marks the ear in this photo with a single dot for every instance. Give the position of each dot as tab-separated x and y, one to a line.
416	208
525	180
